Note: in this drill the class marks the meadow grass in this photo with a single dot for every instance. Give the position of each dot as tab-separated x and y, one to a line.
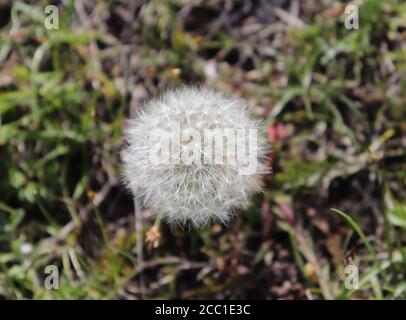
334	105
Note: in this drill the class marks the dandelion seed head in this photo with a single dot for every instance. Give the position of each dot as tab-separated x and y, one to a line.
196	193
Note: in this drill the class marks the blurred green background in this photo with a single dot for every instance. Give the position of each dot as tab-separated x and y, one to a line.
334	104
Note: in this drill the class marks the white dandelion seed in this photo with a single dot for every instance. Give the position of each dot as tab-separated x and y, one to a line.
197	179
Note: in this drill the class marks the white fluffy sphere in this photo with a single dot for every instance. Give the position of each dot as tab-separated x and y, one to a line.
194	184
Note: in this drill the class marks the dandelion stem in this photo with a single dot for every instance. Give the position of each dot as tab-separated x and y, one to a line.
140	243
